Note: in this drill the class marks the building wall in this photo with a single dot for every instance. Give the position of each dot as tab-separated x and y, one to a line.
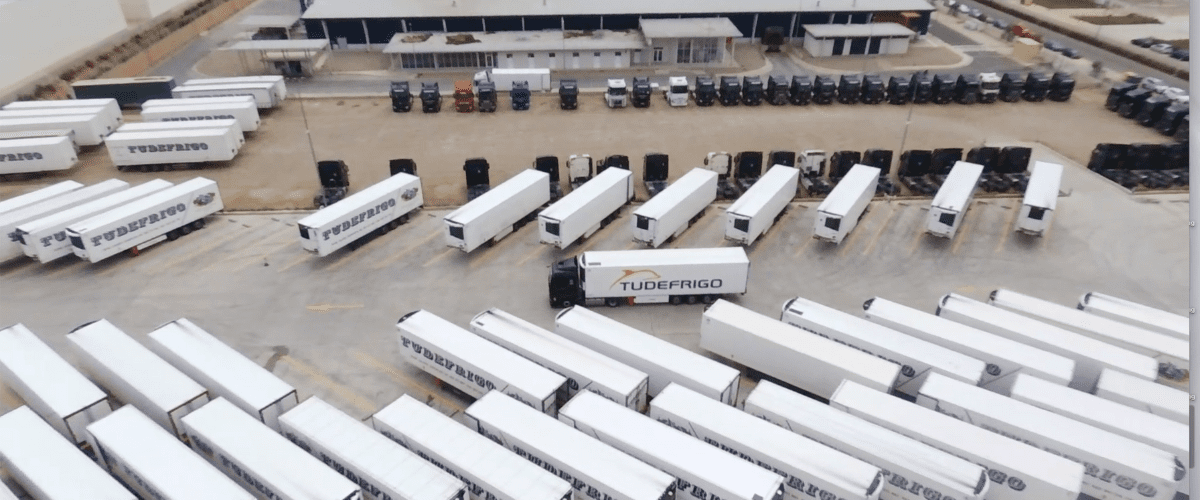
824	47
144	10
36	35
587	59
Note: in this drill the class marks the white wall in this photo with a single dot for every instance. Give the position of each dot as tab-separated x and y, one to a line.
38	34
142	10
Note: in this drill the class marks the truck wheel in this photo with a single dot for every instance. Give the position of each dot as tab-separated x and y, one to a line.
612	302
708	299
676	300
184	230
567	303
691	299
172	235
384	229
198	224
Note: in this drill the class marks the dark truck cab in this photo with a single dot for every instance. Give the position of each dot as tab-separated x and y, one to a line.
519	96
849	89
824	90
431	98
800	92
706	91
967	88
401	97
730	92
922	88
487	97
752	90
873	91
568	94
899	90
641	92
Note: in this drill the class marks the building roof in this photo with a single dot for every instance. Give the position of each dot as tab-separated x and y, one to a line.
261	21
859	30
706	27
514	41
300	44
355	9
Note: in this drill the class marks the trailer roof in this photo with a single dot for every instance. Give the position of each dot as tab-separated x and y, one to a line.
60	385
679	190
94	206
1044	181
368	9
38	196
666	256
200	106
959	185
61	103
185	125
168	134
579	198
849	189
275	79
58	203
230	86
498	195
36	120
138	206
39	112
34	141
356	202
32	134
129	360
755	198
195	101
1149	393
1136	312
52	463
123	81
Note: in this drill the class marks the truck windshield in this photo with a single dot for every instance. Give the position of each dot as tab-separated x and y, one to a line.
616	91
77	242
991	85
679	89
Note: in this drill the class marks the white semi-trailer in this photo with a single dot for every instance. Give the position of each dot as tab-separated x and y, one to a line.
846	204
475	365
702	471
223	371
1127	311
135	375
10	243
375	210
498	212
165	126
245	113
762	205
261	460
153	463
916	358
490	471
106	118
383	469
1120	465
278	85
1005	358
586	209
912	470
1017	471
662	361
90	130
950	204
809	469
42	154
48	466
171	147
594	469
585	369
672	210
265	93
35	197
1144	395
1090	355
53	388
777	349
197	101
1041	197
37	134
164	215
649	276
108	107
45	239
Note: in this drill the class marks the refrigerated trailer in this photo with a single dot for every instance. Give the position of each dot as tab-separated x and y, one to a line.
1090	355
164	215
10	244
89	130
1004	358
911	470
375	210
170	147
809	469
108	107
675	208
245	113
663	362
53	388
260	460
586	209
48	466
383	469
1124	465
223	371
915	358
197	101
1136	314
1041	197
278	85
585	369
762	205
42	154
490	471
264	93
594	469
843	207
45	239
498	212
187	125
649	276
1144	395
104	116
39	196
777	349
475	365
952	200
136	376
702	471
153	463
1017	471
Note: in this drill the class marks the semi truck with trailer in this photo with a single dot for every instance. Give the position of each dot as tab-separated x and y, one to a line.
375	210
151	150
41	154
50	386
45	239
10	243
264	93
952	200
649	276
489	470
498	212
673	210
1041	197
586	209
777	349
48	466
278	84
129	92
109	107
846	204
1127	311
663	362
246	113
89	130
762	205
1144	395
38	196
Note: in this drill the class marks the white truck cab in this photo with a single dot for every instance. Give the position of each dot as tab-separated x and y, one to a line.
617	95
677	91
719	162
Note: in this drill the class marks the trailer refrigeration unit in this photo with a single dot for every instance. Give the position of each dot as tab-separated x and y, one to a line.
703	471
1005	358
777	349
498	212
662	361
1041	197
762	205
912	470
49	467
223	371
89	130
164	215
153	463
1125	311
841	210
489	470
265	95
383	469
585	369
673	210
10	243
108	107
42	154
150	150
53	388
375	210
245	113
475	365
127	91
809	469
1018	471
594	469
649	276
1154	474
1144	395
587	209
261	460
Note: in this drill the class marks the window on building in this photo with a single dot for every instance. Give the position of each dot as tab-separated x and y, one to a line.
464	60
531	55
597	54
416	61
697	51
618	54
658	54
574	54
683	52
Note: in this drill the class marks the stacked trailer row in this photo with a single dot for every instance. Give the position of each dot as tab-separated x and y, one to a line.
105	106
375	210
1144	395
10	246
87	130
1140	315
42	154
278	86
265	94
48	466
45	239
180	125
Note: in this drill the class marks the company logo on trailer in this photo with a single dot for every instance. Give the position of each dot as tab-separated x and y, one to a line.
634	280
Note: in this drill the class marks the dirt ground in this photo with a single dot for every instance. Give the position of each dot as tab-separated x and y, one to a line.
1119	20
275	169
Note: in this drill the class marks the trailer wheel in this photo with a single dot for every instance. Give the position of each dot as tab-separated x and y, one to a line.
384	229
612	302
198	224
691	299
708	299
676	300
172	235
184	230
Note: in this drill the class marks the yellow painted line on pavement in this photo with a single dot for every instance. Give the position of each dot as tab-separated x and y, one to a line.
805	246
882	227
348	395
399	376
542	247
437	258
252	251
965	231
210	246
401	254
855	234
295	262
1008	228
